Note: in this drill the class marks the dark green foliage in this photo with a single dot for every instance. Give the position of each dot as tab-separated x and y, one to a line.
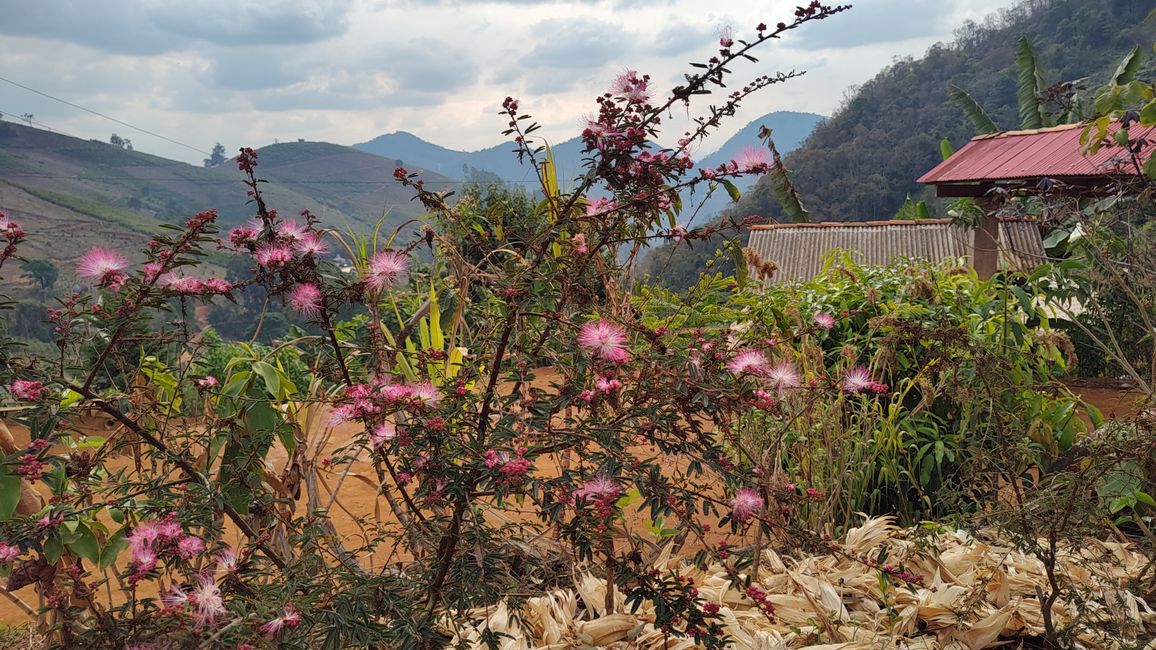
862	163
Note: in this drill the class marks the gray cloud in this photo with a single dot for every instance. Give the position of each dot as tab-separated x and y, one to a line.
872	21
578	43
117	26
229	22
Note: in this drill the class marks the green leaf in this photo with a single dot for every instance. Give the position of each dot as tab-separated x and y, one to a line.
1129	66
53	549
945	148
1150	167
1148	113
974	112
9	495
85	544
1030	86
785	192
112	548
269	374
741	272
731	189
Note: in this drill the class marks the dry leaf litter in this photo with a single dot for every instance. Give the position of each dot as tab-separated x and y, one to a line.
975	594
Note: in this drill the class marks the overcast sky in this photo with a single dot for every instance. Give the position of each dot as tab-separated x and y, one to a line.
247	72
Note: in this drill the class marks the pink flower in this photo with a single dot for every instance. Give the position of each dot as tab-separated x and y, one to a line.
600	207
273	256
151	270
26	390
579	243
175	598
386	269
752	159
216	285
242	235
206	601
181	284
305	299
144	535
600	488
190	547
311	244
8	552
384	432
99	262
824	320
426	393
604	339
342	414
745	503
748	361
105	265
290	231
783	375
607	385
631	87
226	561
207	382
857	379
289	618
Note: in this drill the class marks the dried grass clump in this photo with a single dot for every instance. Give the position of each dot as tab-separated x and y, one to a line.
977	593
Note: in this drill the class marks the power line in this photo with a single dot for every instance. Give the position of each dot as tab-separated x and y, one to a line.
29	120
218	181
107	117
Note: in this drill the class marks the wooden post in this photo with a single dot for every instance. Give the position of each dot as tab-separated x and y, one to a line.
986	243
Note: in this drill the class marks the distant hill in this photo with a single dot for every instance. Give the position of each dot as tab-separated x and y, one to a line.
862	163
71	194
790	129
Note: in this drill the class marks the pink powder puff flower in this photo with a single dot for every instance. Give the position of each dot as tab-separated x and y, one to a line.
150	271
588	395
426	393
144	560
783	375
175	598
206	601
305	299
752	159
273	256
857	379
604	339
600	207
600	488
226	560
342	414
288	619
190	547
242	235
216	285
50	521
169	528
181	284
311	244
745	503
748	360
824	320
396	392
291	231
382	434
8	552
144	535
27	390
631	87
207	382
103	264
386	269
607	385
579	243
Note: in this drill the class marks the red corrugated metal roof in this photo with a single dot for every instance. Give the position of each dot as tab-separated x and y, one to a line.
1042	153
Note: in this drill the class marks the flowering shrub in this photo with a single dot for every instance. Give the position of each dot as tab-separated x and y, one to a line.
512	406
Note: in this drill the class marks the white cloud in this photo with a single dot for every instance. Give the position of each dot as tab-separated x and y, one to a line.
244	72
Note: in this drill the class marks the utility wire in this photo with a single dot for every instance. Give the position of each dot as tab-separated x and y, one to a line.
107	117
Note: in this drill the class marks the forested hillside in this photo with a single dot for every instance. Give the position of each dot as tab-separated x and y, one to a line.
862	163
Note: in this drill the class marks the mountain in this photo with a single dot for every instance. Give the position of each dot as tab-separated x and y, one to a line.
790	129
70	194
862	163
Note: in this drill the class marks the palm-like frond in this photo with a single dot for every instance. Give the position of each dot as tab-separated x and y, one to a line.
1128	67
1030	86
979	117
